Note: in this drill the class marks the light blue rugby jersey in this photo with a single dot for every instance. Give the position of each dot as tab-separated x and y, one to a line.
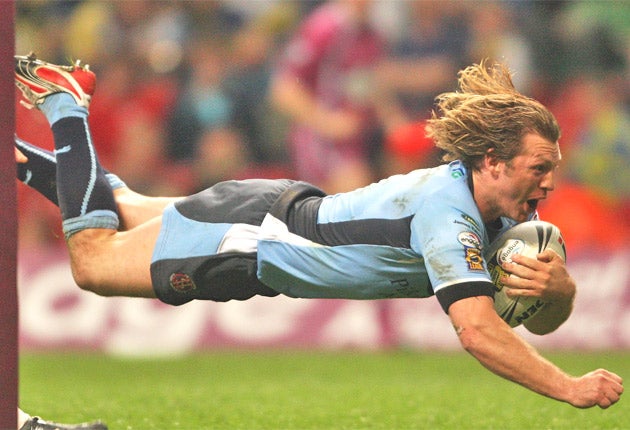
443	243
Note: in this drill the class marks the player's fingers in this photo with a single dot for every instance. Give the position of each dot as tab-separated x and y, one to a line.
611	386
525	261
610	376
618	381
521	273
548	255
610	399
520	292
20	157
604	403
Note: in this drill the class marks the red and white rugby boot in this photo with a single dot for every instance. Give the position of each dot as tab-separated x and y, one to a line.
38	79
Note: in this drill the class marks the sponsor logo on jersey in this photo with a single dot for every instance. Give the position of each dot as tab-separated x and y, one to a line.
457	173
469	239
474	259
497	273
181	282
472	249
470	220
512	247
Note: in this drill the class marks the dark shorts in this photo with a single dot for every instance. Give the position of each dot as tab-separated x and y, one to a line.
187	264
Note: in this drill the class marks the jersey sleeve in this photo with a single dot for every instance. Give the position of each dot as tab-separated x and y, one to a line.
450	235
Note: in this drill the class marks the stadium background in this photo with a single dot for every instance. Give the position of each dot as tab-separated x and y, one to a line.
573	56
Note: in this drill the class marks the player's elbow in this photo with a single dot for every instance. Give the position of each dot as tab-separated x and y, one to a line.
470	338
474	320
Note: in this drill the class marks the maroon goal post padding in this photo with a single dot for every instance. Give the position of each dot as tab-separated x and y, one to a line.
8	229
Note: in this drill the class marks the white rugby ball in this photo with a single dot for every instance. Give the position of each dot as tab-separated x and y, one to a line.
529	239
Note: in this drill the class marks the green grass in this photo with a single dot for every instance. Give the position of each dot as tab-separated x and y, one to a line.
304	390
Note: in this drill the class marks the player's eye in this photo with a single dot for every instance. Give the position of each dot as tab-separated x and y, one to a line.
540	169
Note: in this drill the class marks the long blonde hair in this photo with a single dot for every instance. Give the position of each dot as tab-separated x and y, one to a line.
487	113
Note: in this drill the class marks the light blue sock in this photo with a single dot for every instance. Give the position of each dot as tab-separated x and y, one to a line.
114	181
61	105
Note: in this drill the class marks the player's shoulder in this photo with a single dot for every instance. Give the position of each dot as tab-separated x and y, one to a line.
445	174
444	182
451	172
449	182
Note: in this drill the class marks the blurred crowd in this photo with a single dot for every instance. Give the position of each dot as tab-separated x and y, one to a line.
335	92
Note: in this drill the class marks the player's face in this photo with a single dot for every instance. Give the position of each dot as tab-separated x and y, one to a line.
528	177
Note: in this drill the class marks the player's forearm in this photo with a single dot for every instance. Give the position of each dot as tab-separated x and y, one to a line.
508	356
292	99
295	101
495	345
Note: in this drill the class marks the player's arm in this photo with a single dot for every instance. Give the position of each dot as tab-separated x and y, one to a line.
498	348
293	99
545	277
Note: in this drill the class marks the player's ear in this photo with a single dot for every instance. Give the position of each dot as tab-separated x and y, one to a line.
491	162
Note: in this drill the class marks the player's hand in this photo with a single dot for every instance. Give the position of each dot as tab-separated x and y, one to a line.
338	124
19	157
545	277
598	388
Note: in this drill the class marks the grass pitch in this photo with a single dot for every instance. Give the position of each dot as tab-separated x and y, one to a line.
304	390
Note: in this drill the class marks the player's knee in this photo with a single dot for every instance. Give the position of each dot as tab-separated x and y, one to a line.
86	279
88	270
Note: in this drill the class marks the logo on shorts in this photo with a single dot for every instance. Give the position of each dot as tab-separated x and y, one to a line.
181	282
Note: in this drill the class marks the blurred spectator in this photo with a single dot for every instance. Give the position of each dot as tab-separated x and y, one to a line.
592	204
431	47
592	109
408	148
221	155
600	154
323	84
212	18
202	103
590	222
495	35
596	36
247	85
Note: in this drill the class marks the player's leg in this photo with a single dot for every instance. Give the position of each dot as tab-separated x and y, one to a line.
102	260
135	209
111	263
38	167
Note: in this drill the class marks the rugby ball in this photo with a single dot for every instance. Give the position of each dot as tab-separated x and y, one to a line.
529	239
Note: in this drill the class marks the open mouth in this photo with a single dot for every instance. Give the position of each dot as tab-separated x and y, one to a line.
533	204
